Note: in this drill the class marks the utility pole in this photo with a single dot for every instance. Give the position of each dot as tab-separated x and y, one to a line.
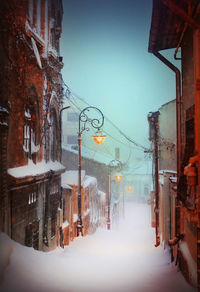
153	121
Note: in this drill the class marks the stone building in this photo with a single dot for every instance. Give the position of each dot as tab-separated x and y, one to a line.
31	99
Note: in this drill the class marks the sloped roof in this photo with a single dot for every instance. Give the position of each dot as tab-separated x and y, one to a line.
90	154
166	26
70	177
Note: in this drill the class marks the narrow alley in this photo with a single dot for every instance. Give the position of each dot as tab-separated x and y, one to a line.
99	146
121	260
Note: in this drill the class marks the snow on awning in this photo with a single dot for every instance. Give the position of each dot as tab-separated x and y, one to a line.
32	169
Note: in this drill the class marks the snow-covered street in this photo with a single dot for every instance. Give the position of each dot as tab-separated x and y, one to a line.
120	260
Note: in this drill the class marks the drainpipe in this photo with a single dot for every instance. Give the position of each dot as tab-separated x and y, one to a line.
178	128
155	125
60	125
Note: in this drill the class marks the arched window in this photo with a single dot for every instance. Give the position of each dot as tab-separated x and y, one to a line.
53	136
31	128
29	134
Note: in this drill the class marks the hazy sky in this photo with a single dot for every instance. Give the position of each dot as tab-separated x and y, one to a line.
106	61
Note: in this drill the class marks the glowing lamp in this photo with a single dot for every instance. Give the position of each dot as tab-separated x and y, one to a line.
118	177
99	139
130	188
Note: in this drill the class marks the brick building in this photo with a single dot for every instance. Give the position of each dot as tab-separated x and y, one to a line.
31	99
176	25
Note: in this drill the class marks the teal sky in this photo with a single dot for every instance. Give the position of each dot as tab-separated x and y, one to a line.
106	61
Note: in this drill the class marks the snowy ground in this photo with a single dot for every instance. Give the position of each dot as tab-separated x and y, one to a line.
121	260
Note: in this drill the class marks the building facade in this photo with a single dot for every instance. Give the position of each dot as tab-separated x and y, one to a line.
175	25
93	205
31	99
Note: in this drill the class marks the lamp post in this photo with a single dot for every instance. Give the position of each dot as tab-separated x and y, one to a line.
117	165
85	118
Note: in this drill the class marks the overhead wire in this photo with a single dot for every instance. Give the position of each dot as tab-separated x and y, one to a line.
70	94
74	105
120	131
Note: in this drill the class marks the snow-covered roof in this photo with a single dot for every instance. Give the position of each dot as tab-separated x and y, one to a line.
70	177
66	186
32	169
90	154
89	180
101	194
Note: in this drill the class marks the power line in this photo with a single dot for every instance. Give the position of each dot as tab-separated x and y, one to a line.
120	131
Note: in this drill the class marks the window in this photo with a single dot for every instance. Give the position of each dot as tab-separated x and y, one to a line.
54	203
64	211
53	226
27	136
30	11
72	117
29	133
32	198
34	13
53	136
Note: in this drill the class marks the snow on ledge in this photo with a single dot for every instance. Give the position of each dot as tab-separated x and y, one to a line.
87	212
75	217
32	169
162	171
65	224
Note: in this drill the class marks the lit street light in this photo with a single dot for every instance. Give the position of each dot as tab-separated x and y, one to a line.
118	177
97	123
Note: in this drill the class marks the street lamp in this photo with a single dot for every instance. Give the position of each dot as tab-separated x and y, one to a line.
117	165
85	118
130	188
118	177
